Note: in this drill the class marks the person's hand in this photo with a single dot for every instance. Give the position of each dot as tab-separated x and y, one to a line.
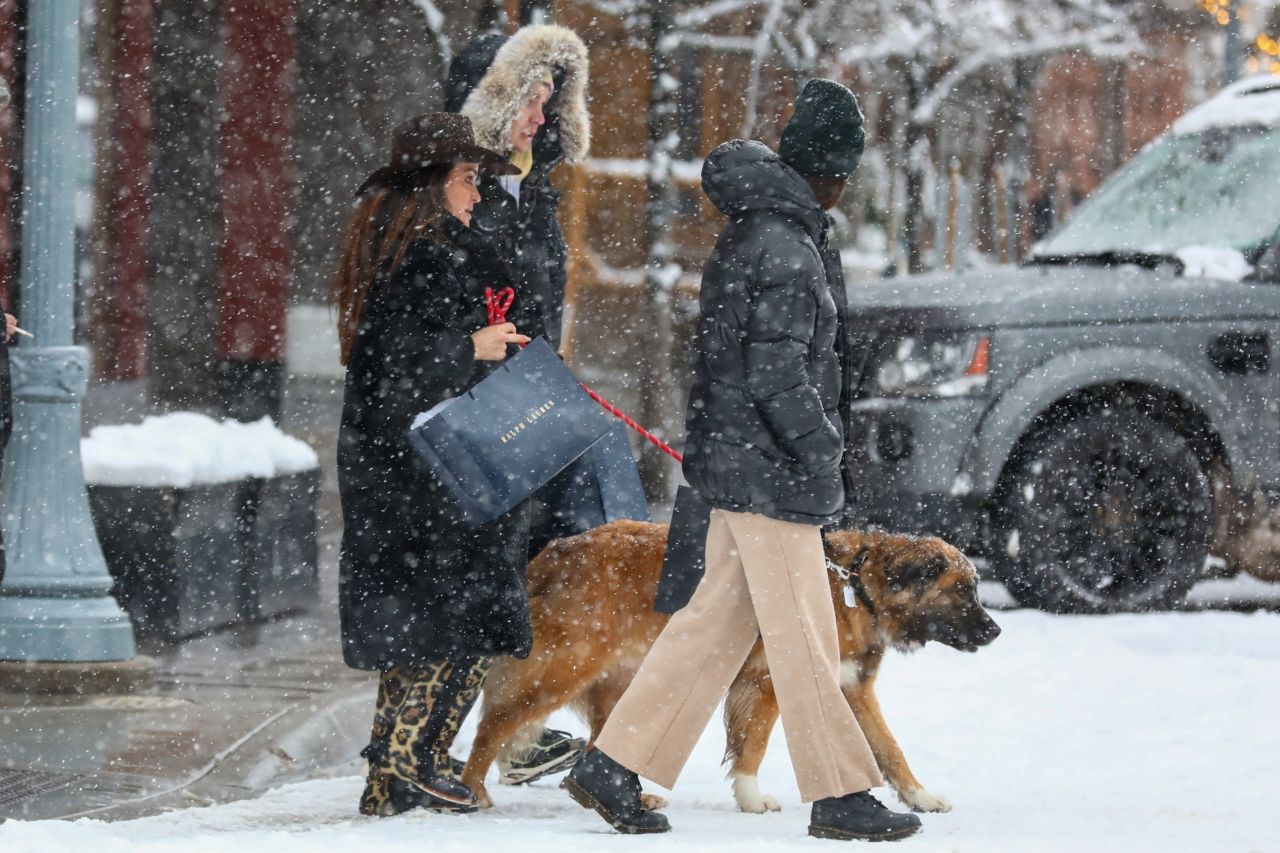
491	342
10	325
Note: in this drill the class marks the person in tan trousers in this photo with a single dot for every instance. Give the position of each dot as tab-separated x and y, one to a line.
766	422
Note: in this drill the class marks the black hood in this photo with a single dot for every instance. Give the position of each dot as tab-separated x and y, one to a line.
469	67
743	176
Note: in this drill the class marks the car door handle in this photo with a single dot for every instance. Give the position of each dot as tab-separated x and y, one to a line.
1241	353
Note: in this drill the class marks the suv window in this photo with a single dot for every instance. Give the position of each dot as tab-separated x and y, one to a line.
1215	188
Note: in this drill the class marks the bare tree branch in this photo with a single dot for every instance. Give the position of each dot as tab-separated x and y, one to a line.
708	12
760	46
435	25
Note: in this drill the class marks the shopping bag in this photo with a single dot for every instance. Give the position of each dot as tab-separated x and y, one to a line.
685	560
508	436
600	486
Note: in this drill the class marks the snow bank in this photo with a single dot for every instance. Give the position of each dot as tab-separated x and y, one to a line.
1213	262
183	449
1068	734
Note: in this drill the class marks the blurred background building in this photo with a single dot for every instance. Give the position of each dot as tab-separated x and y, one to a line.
222	141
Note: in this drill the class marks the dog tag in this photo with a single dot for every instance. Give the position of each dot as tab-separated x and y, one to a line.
850	600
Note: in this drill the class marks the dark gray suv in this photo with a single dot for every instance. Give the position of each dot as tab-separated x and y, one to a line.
1095	421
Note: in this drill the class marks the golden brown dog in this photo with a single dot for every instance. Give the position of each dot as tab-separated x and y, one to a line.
593	621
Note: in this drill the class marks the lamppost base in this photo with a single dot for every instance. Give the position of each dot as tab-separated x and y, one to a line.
30	678
63	630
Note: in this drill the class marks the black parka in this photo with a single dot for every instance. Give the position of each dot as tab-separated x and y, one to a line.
417	584
529	234
765	423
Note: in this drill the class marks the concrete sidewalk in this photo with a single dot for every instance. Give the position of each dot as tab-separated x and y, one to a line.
230	715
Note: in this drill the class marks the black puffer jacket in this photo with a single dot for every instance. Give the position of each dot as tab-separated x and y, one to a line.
765	427
416	583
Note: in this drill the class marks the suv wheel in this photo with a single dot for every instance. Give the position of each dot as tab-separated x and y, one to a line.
1110	511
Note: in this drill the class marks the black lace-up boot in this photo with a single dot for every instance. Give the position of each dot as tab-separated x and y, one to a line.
860	817
613	792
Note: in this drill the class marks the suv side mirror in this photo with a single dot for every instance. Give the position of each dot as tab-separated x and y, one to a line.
1268	266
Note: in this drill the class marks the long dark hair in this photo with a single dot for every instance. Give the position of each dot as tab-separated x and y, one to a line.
387	220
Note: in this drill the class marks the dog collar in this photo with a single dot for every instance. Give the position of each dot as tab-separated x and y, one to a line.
853	581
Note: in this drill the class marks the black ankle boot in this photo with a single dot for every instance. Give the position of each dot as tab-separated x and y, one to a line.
599	783
860	816
439	783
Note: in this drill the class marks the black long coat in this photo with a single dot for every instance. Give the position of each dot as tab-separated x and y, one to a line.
417	584
765	422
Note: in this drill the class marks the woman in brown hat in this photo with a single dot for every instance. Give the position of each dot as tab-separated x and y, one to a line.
425	600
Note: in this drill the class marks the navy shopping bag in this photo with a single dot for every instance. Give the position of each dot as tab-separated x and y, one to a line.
602	485
685	560
511	434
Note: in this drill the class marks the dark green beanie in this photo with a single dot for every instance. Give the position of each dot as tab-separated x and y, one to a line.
825	136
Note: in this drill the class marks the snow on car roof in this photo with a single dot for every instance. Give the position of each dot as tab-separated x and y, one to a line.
1254	100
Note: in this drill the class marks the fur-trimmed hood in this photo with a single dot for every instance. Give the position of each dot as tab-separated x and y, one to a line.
518	65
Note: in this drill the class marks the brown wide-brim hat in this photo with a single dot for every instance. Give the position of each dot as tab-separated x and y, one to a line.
434	139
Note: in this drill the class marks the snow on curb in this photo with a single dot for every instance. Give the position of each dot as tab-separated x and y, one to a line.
184	449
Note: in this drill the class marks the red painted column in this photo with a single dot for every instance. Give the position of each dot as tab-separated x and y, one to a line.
8	41
257	195
120	327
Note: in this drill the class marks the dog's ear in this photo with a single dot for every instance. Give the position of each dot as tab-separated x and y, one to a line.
917	570
843	546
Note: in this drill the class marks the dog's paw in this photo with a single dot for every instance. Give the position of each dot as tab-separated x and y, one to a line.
921	800
482	798
746	790
652	802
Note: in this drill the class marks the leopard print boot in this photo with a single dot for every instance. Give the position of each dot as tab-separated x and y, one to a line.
428	696
384	795
465	686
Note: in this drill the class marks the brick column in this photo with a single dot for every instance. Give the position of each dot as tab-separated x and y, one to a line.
256	153
120	327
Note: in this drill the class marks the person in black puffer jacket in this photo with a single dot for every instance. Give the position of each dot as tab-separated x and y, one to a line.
765	432
764	449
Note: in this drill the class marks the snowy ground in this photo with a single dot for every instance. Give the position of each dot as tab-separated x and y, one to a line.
1121	733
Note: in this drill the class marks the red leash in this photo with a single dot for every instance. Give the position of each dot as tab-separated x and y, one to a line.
617	413
498	304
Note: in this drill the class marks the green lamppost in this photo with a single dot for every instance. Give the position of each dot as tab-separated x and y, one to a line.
55	602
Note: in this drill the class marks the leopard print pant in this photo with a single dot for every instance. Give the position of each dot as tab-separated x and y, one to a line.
418	714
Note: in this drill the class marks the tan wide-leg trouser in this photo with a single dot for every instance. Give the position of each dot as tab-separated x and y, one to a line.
764	578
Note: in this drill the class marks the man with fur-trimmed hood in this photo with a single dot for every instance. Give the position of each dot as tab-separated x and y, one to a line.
526	97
